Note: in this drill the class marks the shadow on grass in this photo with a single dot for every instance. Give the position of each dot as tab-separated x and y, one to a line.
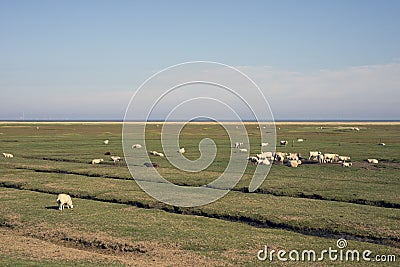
52	207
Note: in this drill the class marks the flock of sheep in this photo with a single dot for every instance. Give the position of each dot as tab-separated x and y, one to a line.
264	158
294	159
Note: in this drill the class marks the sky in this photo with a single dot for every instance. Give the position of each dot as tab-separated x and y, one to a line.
312	60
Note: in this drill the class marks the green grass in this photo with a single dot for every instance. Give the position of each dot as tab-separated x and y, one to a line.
313	199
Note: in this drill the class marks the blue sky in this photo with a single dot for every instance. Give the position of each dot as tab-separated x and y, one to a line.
85	59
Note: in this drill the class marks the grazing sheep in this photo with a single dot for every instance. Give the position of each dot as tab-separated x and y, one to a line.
300	140
264	144
243	150
284	142
294	163
238	144
137	146
330	158
115	158
265	155
381	144
97	161
8	155
313	154
181	150
293	156
375	161
155	153
106	142
347	164
344	158
253	159
64	199
321	159
280	156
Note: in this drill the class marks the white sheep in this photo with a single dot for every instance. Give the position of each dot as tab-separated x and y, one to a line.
344	158
243	150
97	161
238	144
313	154
181	150
106	142
280	156
137	146
330	158
264	144
253	159
8	155
284	142
294	163
115	158
293	156
64	199
263	162
347	164
265	155
321	159
381	144
375	161
300	140
155	153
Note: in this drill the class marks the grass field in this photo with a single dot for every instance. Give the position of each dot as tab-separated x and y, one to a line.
115	223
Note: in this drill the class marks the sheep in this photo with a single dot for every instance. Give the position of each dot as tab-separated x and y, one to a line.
115	158
381	144
300	140
347	164
97	161
238	144
375	161
264	144
253	159
313	154
8	155
263	162
293	156
243	150
137	146
155	153
284	142
294	163
344	158
106	142
64	199
181	150
321	159
265	155
330	158
280	156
